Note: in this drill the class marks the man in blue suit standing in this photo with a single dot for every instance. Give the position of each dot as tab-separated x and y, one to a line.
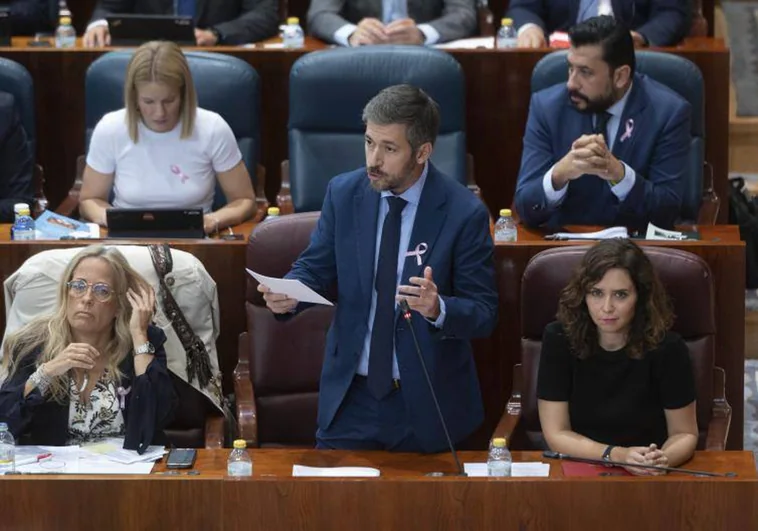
654	22
399	229
610	146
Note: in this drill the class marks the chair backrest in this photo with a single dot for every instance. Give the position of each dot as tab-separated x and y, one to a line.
680	75
31	291
15	79
688	281
326	131
285	357
224	84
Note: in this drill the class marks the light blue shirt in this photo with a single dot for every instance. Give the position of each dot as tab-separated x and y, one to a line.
625	185
431	35
408	217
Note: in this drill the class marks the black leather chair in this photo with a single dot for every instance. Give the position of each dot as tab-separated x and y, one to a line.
328	90
224	84
685	78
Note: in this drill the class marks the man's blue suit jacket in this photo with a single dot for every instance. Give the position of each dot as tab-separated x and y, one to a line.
455	226
661	22
657	151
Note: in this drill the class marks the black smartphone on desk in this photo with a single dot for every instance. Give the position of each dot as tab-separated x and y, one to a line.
181	458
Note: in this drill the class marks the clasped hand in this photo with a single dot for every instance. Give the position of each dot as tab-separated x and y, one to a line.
589	154
372	31
645	455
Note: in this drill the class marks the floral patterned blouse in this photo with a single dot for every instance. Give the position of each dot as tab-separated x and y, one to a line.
99	418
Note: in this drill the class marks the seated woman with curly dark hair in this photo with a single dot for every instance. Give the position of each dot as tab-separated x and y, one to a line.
614	382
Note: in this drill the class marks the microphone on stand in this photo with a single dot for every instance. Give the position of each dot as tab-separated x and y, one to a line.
406	312
566	457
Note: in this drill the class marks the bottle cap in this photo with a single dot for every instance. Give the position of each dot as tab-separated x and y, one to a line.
3	426
505	213
240	444
65	21
293	20
499	442
273	211
506	22
20	206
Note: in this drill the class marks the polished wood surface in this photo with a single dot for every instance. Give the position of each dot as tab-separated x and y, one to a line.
223	259
402	498
497	103
719	246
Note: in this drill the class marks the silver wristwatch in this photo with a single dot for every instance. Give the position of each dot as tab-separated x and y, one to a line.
144	348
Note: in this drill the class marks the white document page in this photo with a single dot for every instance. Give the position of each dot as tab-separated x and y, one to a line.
300	471
518	470
294	289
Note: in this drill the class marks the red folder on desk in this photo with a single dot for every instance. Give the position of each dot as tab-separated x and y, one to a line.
571	468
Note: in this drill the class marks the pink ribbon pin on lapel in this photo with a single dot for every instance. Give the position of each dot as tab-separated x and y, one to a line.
628	130
418	252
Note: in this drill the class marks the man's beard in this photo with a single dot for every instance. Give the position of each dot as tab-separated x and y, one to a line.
392	182
598	105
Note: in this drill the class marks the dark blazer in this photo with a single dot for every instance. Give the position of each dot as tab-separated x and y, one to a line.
455	226
30	16
16	160
661	22
453	19
657	151
148	407
238	21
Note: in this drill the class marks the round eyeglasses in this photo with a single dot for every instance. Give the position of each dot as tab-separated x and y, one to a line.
100	291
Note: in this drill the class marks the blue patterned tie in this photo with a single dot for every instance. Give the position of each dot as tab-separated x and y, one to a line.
185	8
587	9
393	10
383	331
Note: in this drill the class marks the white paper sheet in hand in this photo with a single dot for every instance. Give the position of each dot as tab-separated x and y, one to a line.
334	472
294	289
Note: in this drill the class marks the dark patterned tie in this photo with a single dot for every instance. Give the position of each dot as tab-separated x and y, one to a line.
601	126
383	331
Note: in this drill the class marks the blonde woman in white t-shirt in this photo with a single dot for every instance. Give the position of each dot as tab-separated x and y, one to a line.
161	150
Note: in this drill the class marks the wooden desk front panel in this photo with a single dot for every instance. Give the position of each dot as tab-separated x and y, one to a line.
720	247
497	103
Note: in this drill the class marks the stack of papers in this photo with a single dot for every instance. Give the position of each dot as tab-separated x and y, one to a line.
113	450
605	234
300	471
518	470
468	44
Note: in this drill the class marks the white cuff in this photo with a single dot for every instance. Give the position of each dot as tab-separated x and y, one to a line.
342	35
440	322
431	34
97	24
622	189
526	26
552	195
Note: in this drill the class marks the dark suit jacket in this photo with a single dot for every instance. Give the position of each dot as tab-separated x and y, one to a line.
238	21
661	22
148	406
455	226
30	16
453	19
657	151
16	160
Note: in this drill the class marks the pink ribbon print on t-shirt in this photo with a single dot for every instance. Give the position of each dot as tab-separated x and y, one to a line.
176	170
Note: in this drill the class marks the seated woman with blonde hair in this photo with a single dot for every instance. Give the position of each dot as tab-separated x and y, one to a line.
614	382
162	150
96	367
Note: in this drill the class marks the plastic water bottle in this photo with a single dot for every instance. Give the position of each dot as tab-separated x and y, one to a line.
272	213
65	34
505	228
7	450
499	460
506	35
292	34
239	463
23	226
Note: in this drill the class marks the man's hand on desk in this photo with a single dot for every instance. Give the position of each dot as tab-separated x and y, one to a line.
97	37
205	37
642	455
277	302
532	37
404	31
369	31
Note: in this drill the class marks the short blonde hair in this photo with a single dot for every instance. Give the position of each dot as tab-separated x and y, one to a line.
159	62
